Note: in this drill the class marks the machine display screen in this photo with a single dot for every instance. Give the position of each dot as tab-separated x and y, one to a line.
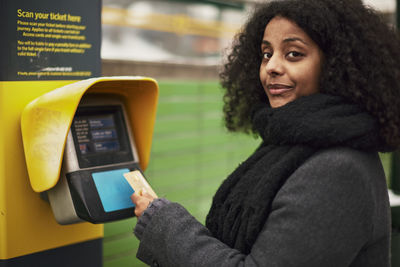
96	134
100	136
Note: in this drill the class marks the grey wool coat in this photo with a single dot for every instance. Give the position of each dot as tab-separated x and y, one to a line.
332	211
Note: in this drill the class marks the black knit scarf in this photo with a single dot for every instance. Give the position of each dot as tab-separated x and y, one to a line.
291	134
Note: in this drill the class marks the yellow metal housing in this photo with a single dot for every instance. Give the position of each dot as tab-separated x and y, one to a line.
45	122
27	224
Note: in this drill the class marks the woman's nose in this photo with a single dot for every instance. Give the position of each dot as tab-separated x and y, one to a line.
274	66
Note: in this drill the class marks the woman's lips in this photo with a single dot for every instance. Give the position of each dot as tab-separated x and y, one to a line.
278	89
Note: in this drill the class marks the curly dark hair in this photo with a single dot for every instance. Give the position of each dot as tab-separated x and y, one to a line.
361	61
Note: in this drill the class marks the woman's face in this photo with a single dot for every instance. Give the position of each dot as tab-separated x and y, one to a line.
291	63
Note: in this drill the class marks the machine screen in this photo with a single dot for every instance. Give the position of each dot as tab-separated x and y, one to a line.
96	134
100	136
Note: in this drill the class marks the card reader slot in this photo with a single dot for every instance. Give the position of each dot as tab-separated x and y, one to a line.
87	200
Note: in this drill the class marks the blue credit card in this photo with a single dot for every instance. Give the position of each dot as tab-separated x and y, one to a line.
113	189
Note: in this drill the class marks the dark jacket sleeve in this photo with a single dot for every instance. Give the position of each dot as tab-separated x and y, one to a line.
320	217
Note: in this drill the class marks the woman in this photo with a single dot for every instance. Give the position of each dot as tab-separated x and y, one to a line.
318	80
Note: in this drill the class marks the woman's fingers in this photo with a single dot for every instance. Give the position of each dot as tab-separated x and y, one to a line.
147	195
141	201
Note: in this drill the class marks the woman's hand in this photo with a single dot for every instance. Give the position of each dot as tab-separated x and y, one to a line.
141	200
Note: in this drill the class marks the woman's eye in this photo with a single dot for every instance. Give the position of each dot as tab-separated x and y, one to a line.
294	54
266	55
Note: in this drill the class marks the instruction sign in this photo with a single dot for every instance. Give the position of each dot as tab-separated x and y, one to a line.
50	40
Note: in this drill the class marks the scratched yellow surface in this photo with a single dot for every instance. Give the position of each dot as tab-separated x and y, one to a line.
45	122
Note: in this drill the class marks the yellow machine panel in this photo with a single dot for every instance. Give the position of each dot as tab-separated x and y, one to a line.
27	224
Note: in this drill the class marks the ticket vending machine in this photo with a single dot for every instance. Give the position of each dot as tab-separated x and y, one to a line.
98	151
80	139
